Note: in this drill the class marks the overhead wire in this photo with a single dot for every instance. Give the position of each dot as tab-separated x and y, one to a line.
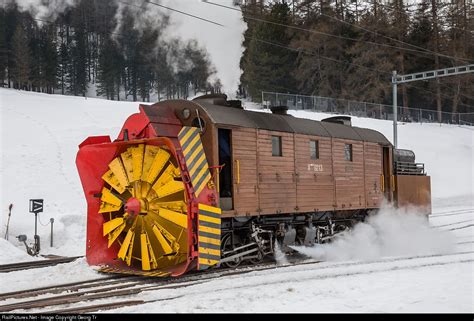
424	51
280	45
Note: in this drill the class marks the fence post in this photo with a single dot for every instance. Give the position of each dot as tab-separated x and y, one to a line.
421	115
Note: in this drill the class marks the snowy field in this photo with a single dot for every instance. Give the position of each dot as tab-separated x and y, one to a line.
40	134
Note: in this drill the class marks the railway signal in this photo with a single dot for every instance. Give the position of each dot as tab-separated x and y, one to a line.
36	206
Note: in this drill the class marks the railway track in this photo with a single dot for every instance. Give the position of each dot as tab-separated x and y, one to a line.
5	268
451	213
57	299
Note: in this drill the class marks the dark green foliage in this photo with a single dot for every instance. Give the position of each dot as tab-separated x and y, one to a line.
266	66
86	46
356	59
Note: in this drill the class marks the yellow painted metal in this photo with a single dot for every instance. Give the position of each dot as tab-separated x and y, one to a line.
125	245
178	206
209	230
106	208
208	208
169	188
169	237
113	181
112	225
194	141
163	242
149	174
148	157
157	164
207	261
211	240
115	233
186	137
196	167
144	252
174	217
127	162
190	159
117	168
137	161
130	249
209	245
210	219
209	251
237	164
201	186
108	197
382	185
167	175
393	182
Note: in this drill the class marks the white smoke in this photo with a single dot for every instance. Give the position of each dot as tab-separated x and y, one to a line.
43	9
390	232
279	256
224	44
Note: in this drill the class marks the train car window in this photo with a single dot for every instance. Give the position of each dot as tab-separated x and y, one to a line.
314	149
348	152
276	146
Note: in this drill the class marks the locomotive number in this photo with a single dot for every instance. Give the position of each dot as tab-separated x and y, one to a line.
315	167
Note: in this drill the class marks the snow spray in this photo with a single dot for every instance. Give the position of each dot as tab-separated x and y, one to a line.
389	232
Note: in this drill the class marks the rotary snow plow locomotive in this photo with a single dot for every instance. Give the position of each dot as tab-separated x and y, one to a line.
188	185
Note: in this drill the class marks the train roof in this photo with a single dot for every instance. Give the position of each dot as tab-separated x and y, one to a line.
222	114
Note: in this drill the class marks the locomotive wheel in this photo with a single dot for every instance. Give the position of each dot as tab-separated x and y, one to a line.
144	208
258	259
227	246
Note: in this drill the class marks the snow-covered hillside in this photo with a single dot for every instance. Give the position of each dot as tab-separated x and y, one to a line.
39	138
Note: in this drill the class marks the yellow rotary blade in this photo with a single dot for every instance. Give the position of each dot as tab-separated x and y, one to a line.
115	233
126	244
168	174
112	225
169	239
113	181
178	206
130	250
109	202
162	240
106	208
154	161
169	188
116	166
128	163
148	257
174	217
137	161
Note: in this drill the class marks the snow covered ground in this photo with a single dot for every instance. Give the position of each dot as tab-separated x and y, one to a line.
39	138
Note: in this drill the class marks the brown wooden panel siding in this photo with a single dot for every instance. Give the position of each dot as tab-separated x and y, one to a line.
244	149
315	183
349	175
373	172
276	174
413	191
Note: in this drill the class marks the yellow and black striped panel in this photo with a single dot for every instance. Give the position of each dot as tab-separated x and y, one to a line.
195	157
155	273
209	236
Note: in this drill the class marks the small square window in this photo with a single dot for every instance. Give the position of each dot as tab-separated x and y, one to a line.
348	152
314	149
276	146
